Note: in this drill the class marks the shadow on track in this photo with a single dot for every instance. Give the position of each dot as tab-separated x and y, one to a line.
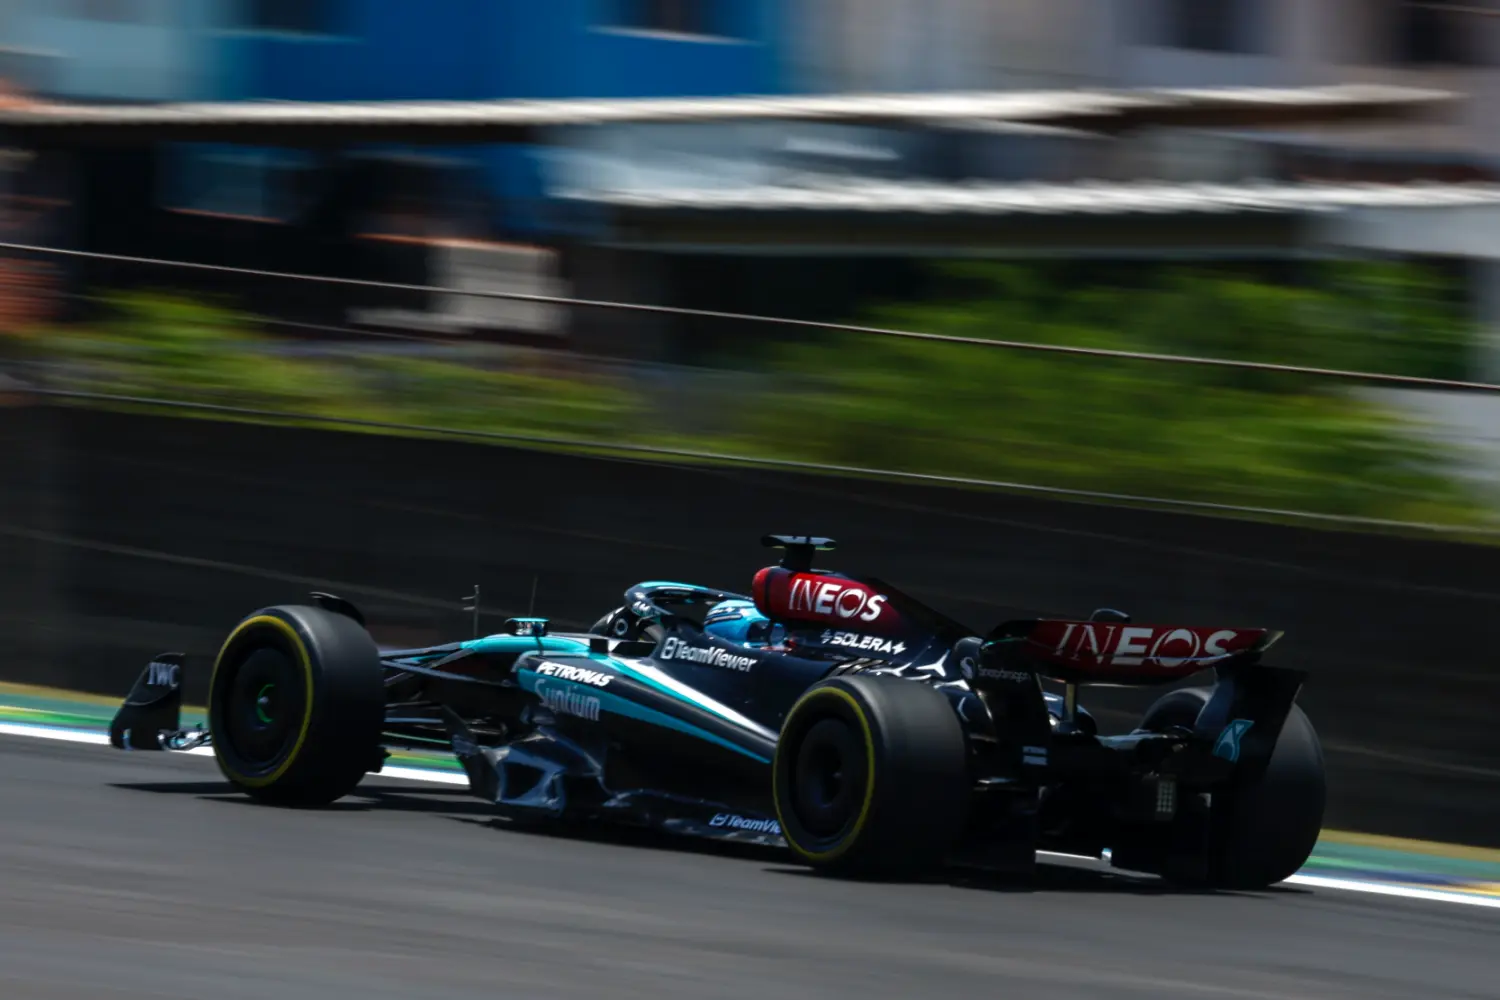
1049	876
437	800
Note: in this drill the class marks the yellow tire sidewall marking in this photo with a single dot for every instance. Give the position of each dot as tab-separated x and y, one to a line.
850	839
305	660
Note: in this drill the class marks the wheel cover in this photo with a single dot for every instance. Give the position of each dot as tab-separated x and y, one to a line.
263	708
828	779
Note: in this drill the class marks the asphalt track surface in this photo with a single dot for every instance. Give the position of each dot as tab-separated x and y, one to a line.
126	876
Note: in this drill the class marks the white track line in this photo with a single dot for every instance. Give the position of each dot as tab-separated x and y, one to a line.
53	733
422	774
1401	891
449	778
1353	885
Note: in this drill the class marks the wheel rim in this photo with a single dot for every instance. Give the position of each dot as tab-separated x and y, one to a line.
828	779
263	709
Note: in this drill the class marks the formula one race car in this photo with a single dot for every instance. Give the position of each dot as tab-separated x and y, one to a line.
834	716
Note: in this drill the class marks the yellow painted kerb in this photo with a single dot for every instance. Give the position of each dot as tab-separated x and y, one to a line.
305	660
1460	852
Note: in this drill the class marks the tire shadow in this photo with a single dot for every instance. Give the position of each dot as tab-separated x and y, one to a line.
1046	877
1049	877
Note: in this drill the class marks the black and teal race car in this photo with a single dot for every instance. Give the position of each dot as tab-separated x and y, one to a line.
834	716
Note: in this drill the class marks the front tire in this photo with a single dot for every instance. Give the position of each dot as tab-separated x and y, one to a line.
1261	830
296	706
871	776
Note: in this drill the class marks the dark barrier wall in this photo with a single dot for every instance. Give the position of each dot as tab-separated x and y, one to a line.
128	535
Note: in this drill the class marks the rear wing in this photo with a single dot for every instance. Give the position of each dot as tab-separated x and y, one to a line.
1119	653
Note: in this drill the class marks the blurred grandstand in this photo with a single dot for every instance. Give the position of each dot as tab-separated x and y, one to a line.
539	152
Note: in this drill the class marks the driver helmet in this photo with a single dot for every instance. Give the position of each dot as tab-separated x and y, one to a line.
740	622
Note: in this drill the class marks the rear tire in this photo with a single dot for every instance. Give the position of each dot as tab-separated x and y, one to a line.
1262	829
296	706
871	777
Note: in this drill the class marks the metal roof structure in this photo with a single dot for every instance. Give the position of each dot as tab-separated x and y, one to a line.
855	217
318	124
837	194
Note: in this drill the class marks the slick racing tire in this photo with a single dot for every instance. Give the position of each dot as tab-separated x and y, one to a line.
296	705
870	777
1261	829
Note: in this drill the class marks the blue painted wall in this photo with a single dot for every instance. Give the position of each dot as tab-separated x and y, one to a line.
153	52
470	49
479	49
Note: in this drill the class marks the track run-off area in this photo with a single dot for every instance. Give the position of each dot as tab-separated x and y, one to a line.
134	875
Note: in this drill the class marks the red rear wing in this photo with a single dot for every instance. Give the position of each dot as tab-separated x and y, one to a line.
1112	652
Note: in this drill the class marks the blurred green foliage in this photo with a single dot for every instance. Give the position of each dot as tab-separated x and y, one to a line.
1150	429
170	348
